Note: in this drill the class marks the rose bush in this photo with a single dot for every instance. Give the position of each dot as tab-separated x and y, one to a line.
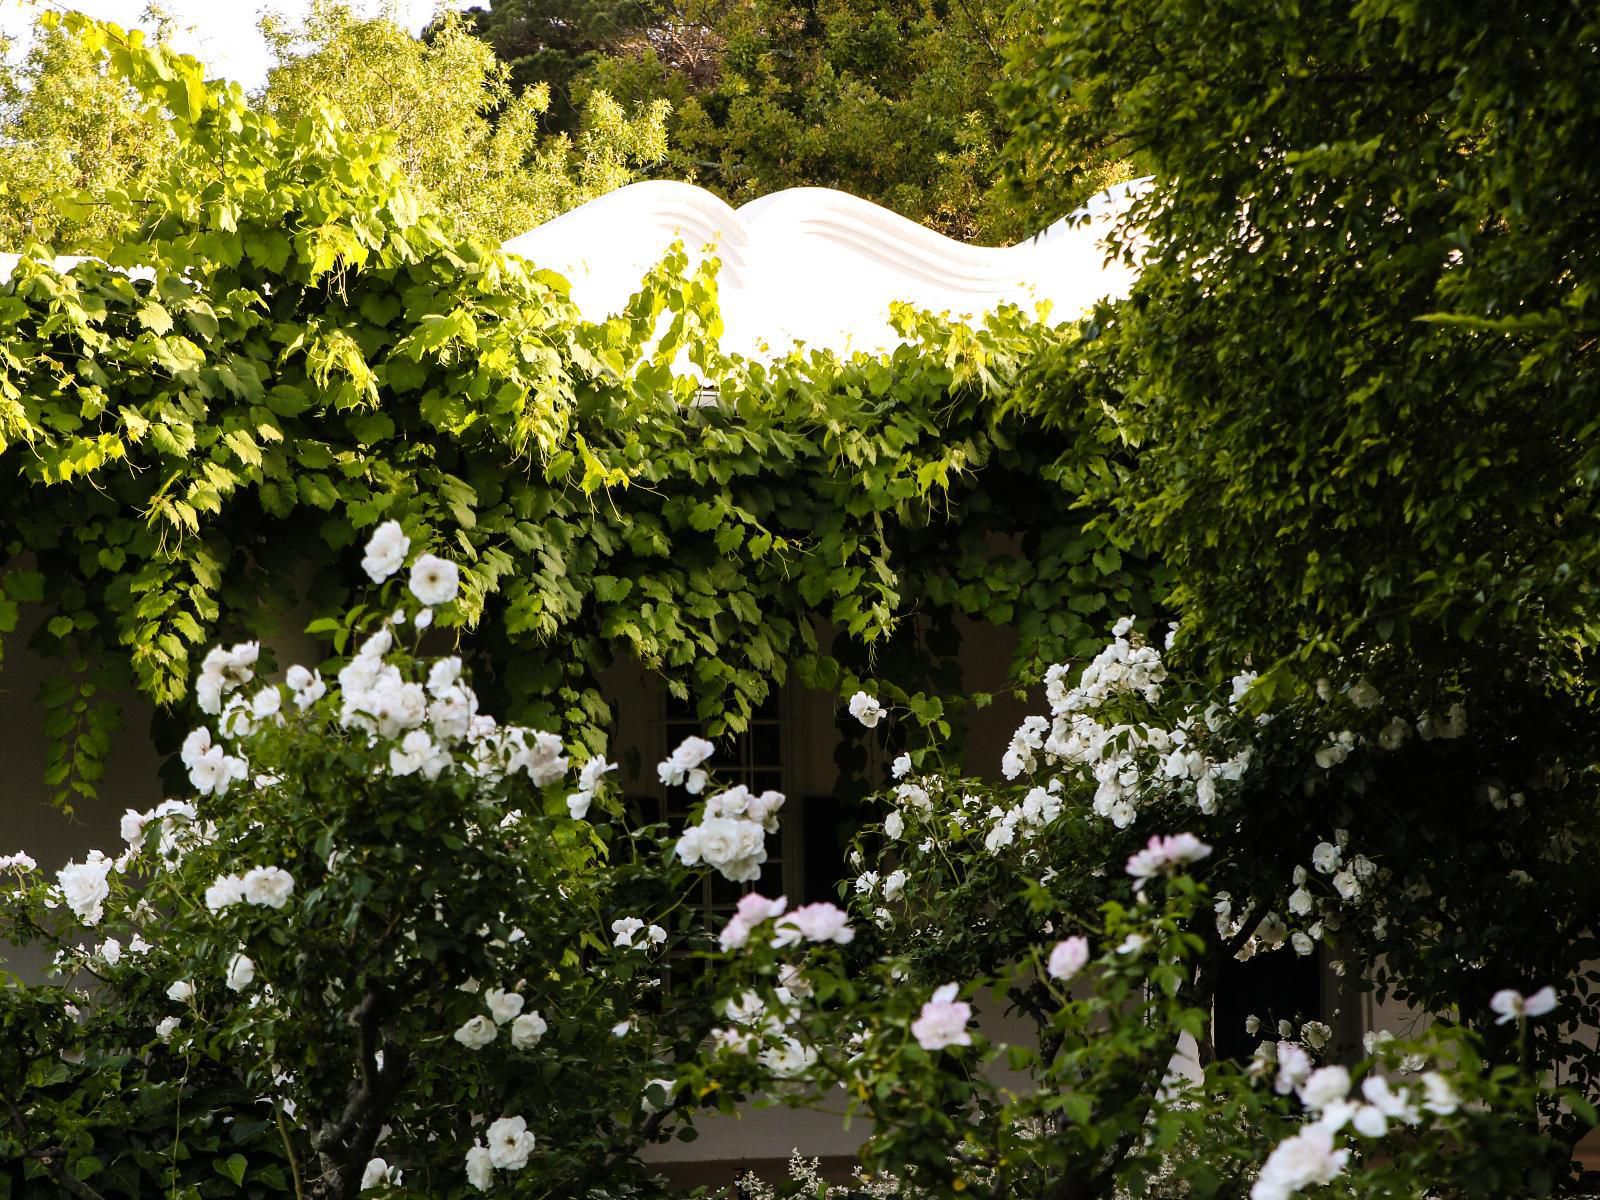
1104	1104
965	880
386	942
389	943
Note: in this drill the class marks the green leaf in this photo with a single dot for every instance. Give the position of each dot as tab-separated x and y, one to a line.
155	318
234	1168
87	1167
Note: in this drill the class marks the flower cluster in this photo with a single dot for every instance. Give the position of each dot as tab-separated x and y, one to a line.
1129	761
752	910
819	922
527	1028
731	834
753	1023
1314	1156
268	887
1165	854
625	929
212	770
223	671
507	1145
685	766
434	580
1038	808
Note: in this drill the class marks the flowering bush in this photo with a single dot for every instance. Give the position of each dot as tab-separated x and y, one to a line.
386	942
995	888
390	942
1105	1104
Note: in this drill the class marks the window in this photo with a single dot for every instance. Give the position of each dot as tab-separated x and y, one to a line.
1272	985
757	758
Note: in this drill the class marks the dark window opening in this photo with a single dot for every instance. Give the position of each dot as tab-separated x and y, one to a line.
1274	985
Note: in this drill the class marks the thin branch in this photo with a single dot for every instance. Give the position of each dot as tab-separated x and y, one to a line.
288	1149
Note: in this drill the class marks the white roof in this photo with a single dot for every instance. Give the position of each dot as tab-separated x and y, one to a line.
821	267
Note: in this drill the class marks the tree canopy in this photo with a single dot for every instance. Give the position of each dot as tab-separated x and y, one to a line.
1360	362
469	145
894	102
474	151
70	128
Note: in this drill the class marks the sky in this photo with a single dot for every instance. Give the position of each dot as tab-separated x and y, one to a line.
221	33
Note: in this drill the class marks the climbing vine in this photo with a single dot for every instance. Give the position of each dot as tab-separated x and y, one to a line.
292	351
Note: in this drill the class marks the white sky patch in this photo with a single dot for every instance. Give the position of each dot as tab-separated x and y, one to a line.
220	33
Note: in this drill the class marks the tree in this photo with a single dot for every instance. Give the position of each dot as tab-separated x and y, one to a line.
467	143
551	43
78	137
893	102
74	134
1360	364
1357	381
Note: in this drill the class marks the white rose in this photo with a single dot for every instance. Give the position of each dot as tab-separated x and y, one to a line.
510	1143
1307	1158
269	887
386	551
241	973
480	1170
376	1174
720	839
788	1058
866	709
477	1033
1324	1087
132	826
1363	695
228	890
502	1005
434	580
266	703
1067	958
1315	1034
85	888
527	1029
